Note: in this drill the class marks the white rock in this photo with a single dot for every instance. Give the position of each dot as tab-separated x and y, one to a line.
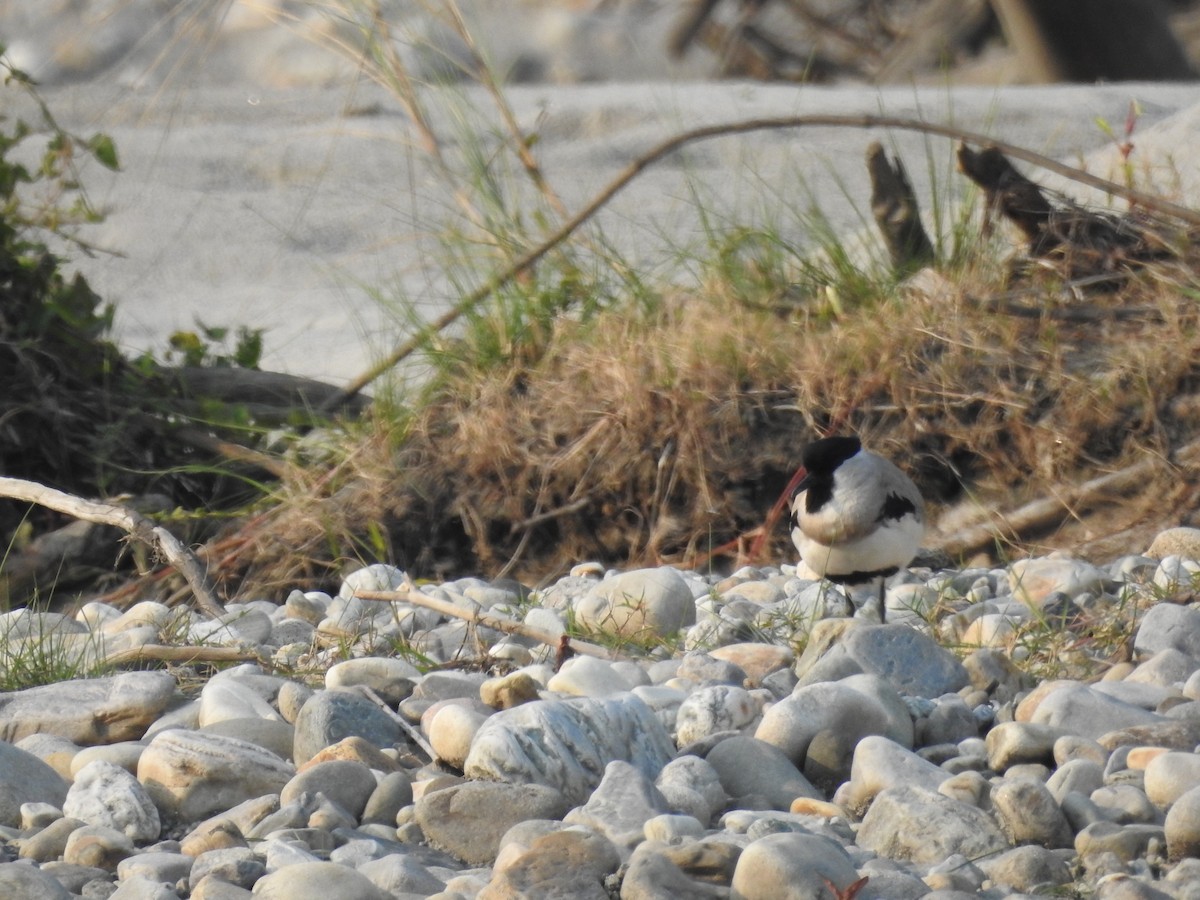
1083	711
692	786
351	617
566	744
665	701
123	753
193	774
451	731
88	711
1170	776
24	622
587	676
149	612
802	862
910	603
551	621
224	699
310	606
1033	580
880	764
990	630
24	778
106	794
851	708
721	707
643	603
377	577
96	615
234	628
391	678
672	829
1175	573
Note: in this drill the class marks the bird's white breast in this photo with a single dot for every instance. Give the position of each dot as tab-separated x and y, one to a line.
891	545
849	532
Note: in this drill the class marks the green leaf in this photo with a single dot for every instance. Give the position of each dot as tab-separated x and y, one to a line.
104	151
248	352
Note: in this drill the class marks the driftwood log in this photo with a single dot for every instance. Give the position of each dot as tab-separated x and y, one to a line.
896	211
1009	527
129	520
272	394
1086	243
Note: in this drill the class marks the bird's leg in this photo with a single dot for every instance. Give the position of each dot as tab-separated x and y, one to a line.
883	601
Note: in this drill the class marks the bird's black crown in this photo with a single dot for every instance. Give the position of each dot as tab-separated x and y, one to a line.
825	455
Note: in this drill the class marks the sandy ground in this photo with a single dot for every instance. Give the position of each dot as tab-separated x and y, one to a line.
309	210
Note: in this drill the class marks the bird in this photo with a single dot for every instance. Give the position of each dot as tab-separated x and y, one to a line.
858	518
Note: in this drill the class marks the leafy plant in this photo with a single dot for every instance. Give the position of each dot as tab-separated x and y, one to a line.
209	345
64	372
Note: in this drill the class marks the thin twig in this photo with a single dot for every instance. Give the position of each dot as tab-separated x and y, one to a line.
185	655
573	507
520	142
138	526
410	594
669	146
413	733
228	449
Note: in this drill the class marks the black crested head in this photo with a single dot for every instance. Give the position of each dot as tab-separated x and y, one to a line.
823	456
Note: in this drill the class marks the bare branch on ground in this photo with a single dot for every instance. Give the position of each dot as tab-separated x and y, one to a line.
137	525
409	594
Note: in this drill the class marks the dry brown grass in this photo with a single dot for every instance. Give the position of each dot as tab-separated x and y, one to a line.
641	438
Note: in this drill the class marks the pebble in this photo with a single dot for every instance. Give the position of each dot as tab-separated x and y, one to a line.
98	846
692	786
1167	626
586	676
566	744
715	709
640	604
567	863
910	660
89	711
1183	542
106	794
1182	825
651	874
330	716
317	881
48	842
192	774
1029	814
19	880
26	779
469	819
722	765
1084	711
803	862
849	709
915	824
753	771
348	783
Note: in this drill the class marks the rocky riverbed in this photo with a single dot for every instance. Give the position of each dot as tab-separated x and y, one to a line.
876	763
